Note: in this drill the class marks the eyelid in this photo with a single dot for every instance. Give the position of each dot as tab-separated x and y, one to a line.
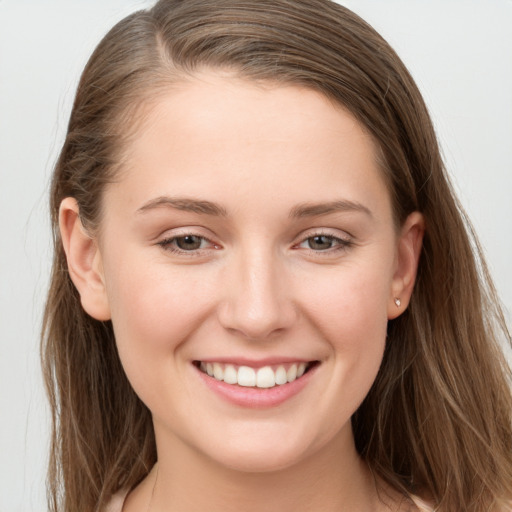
331	232
166	243
344	242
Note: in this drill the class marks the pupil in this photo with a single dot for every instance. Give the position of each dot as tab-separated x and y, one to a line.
189	242
320	242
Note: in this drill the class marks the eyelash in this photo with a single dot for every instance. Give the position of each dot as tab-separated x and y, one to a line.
168	244
340	244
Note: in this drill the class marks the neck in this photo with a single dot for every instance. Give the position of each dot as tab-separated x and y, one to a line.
334	479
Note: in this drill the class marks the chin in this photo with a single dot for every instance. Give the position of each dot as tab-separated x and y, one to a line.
269	462
252	455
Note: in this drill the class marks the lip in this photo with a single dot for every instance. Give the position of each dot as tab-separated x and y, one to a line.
255	363
256	398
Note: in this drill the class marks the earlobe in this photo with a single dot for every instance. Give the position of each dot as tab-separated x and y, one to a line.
84	261
408	255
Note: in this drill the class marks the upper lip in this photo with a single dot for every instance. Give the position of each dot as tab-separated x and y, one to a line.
255	363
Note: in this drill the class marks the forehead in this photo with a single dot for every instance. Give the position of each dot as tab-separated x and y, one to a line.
216	131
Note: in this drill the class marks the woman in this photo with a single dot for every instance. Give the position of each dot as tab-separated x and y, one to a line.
269	287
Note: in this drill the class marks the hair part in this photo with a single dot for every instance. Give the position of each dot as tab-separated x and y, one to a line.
437	420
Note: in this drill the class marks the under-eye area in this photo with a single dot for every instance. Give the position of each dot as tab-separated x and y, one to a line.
264	377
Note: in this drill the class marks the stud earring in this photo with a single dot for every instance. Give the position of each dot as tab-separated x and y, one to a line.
398	302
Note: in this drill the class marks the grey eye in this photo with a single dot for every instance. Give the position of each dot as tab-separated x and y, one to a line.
189	242
320	242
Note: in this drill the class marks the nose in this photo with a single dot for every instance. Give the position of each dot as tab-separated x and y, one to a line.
257	300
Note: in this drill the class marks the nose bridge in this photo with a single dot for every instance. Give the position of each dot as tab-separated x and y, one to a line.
257	298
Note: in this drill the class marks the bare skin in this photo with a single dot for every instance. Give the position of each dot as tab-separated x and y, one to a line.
272	492
296	256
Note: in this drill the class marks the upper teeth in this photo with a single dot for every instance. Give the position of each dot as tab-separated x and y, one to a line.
265	377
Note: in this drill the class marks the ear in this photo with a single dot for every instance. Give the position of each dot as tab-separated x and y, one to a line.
408	255
84	261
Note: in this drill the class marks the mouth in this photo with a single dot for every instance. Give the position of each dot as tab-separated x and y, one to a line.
264	377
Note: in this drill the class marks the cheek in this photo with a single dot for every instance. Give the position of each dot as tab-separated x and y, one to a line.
350	312
350	303
153	313
146	298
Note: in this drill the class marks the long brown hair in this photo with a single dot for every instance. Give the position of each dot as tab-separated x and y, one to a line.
437	420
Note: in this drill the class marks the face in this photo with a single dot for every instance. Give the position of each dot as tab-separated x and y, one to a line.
251	236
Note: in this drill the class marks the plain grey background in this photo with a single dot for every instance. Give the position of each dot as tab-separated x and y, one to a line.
459	51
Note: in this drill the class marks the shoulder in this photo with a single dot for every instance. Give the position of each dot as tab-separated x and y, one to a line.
421	505
117	502
424	506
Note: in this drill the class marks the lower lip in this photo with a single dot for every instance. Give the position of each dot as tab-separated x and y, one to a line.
257	398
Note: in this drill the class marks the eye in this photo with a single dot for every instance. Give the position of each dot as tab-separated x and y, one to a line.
323	242
320	242
187	243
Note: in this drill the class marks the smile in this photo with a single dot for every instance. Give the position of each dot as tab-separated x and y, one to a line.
246	376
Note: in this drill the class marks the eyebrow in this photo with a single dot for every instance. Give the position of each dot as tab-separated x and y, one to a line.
317	209
209	208
185	204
